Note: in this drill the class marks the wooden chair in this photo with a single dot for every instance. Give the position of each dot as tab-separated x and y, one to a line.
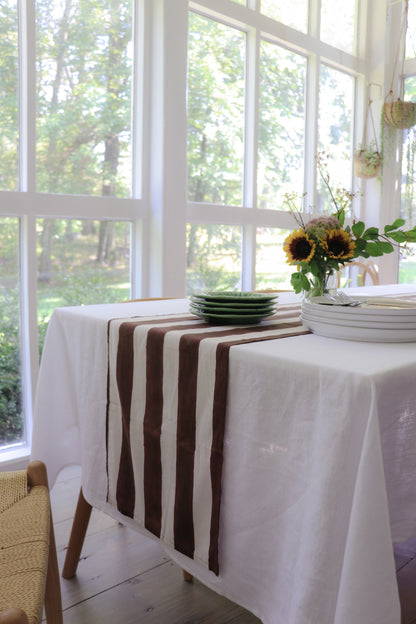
29	575
369	271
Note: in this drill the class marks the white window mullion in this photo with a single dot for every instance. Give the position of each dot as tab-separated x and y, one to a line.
311	128
248	258
29	323
27	95
27	183
167	244
248	255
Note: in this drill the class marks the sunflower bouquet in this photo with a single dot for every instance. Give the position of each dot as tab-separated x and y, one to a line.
325	244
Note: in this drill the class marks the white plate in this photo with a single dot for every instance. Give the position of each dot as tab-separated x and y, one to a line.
362	334
328	311
364	321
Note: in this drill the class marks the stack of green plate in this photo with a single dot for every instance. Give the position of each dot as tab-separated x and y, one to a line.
233	307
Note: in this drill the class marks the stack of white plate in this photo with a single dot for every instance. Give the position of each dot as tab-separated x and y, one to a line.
233	307
369	323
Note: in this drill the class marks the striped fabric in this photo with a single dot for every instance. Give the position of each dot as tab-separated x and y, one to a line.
166	403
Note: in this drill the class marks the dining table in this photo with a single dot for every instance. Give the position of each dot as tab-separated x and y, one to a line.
314	467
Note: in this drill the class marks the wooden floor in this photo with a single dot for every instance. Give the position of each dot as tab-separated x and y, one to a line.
125	578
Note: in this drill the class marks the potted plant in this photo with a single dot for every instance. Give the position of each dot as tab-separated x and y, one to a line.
397	113
367	160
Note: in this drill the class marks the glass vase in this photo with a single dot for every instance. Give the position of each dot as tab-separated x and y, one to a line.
319	285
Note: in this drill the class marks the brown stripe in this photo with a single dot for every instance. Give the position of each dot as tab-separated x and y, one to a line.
183	527
218	428
125	492
152	426
186	427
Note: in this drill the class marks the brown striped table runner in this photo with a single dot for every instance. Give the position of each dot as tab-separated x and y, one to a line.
166	403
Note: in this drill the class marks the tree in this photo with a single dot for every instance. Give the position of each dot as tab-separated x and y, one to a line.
9	75
84	92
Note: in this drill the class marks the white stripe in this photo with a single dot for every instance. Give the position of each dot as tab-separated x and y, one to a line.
114	420
202	496
138	405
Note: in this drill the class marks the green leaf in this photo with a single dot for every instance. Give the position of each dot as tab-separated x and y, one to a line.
360	245
305	283
411	236
371	232
341	217
386	247
374	249
394	226
399	236
296	282
358	228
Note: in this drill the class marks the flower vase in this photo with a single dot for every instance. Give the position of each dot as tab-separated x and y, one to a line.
319	285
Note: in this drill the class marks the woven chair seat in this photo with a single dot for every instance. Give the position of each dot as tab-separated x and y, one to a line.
25	536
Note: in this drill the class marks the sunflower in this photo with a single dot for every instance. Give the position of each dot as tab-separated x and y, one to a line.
338	244
299	247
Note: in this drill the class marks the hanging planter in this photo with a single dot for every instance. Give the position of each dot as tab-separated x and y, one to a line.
368	160
399	114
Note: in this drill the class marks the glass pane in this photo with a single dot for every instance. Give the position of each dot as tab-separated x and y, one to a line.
293	13
11	405
215	112
84	61
272	271
338	23
336	99
81	262
407	261
408	192
9	100
281	125
213	257
411	30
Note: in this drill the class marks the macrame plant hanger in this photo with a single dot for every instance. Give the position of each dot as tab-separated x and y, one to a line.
397	113
367	159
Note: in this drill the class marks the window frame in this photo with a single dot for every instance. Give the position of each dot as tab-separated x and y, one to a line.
158	208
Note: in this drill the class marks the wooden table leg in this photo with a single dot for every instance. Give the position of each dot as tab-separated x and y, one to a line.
186	576
76	540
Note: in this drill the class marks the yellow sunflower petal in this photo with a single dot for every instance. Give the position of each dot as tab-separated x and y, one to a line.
299	247
338	245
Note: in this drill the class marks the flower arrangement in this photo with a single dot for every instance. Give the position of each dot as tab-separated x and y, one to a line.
325	244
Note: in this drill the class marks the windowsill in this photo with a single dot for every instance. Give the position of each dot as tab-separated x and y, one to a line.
16	458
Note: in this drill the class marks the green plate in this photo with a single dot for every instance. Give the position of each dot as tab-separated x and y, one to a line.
231	319
232	298
217	308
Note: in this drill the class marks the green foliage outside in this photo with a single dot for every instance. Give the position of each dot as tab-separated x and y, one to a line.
11	418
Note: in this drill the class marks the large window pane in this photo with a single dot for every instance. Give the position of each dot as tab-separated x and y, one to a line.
293	13
338	23
407	264
272	271
411	30
9	97
83	96
215	112
281	125
81	262
11	408
336	97
213	257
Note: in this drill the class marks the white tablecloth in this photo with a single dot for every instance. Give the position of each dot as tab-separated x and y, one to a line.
319	462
